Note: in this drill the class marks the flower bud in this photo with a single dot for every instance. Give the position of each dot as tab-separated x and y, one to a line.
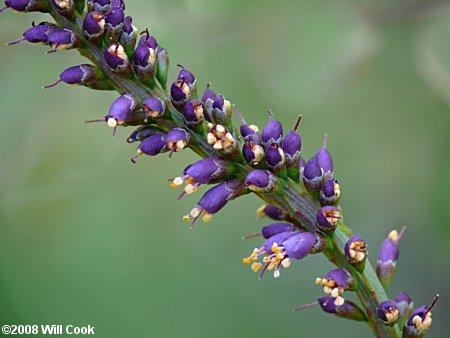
404	304
324	159
27	5
276	160
253	153
292	144
419	321
128	36
117	59
64	7
121	110
220	138
94	25
145	58
272	132
387	257
162	70
36	34
335	283
193	113
327	218
215	199
180	93
271	211
261	181
114	23
151	146
60	39
82	75
142	133
99	5
154	107
330	192
221	111
177	139
355	252
277	228
208	95
348	309
388	312
313	175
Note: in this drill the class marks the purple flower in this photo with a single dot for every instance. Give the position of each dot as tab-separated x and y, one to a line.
114	20
330	192
419	321
275	156
220	110
274	229
404	303
193	113
279	249
93	25
387	257
208	95
327	218
335	283
324	159
313	175
272	132
253	153
121	110
260	181
177	139
348	309
142	133
117	59
154	107
220	138
292	144
270	211
128	27
355	250
77	75
36	34
388	312
214	200
187	76
60	39
152	146
180	93
26	5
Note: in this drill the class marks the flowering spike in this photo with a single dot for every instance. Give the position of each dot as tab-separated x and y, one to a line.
327	218
419	321
356	253
387	257
348	309
388	312
271	211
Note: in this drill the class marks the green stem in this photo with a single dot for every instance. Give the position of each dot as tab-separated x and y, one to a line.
293	197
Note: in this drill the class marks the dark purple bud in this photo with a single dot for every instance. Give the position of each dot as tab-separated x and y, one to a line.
206	170
77	75
148	40
180	93
186	75
208	95
117	59
292	143
313	175
419	321
154	107
277	239
121	110
99	5
324	159
221	111
404	303
64	7
36	34
253	153
261	181
128	37
355	250
114	21
93	25
271	211
152	146
248	132
388	312
348	309
277	228
327	218
335	283
62	39
177	139
193	113
387	257
330	192
142	133
274	156
26	5
118	4
272	132
128	27
163	62
300	245
145	59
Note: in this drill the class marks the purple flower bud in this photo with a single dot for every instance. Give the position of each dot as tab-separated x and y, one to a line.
128	27
121	110
145	58
186	76
277	228
208	95
221	111
64	7
270	211
114	21
330	192
36	34
313	175
260	181
324	159
419	321
387	257
299	245
117	59
292	143
249	132
62	39
388	312
193	113
355	250
272	132
152	146
154	107
327	218
142	133
180	93
26	5
177	139
348	309
404	303
128	36
99	5
93	25
148	40
253	153
274	156
163	66
335	283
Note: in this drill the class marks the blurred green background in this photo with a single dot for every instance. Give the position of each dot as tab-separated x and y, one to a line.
88	238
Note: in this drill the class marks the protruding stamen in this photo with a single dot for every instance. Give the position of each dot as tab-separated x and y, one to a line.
306	306
325	140
241	118
15	42
95	121
298	122
53	85
433	303
257	234
4	9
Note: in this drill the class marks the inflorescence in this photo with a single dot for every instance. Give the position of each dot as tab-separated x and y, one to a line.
302	195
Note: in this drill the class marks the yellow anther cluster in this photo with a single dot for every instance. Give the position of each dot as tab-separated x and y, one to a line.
332	216
273	261
422	324
391	315
357	251
219	137
331	288
190	187
195	213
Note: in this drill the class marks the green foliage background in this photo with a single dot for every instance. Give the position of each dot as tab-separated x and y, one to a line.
87	238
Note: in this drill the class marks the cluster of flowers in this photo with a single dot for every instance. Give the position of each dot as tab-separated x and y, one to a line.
172	118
